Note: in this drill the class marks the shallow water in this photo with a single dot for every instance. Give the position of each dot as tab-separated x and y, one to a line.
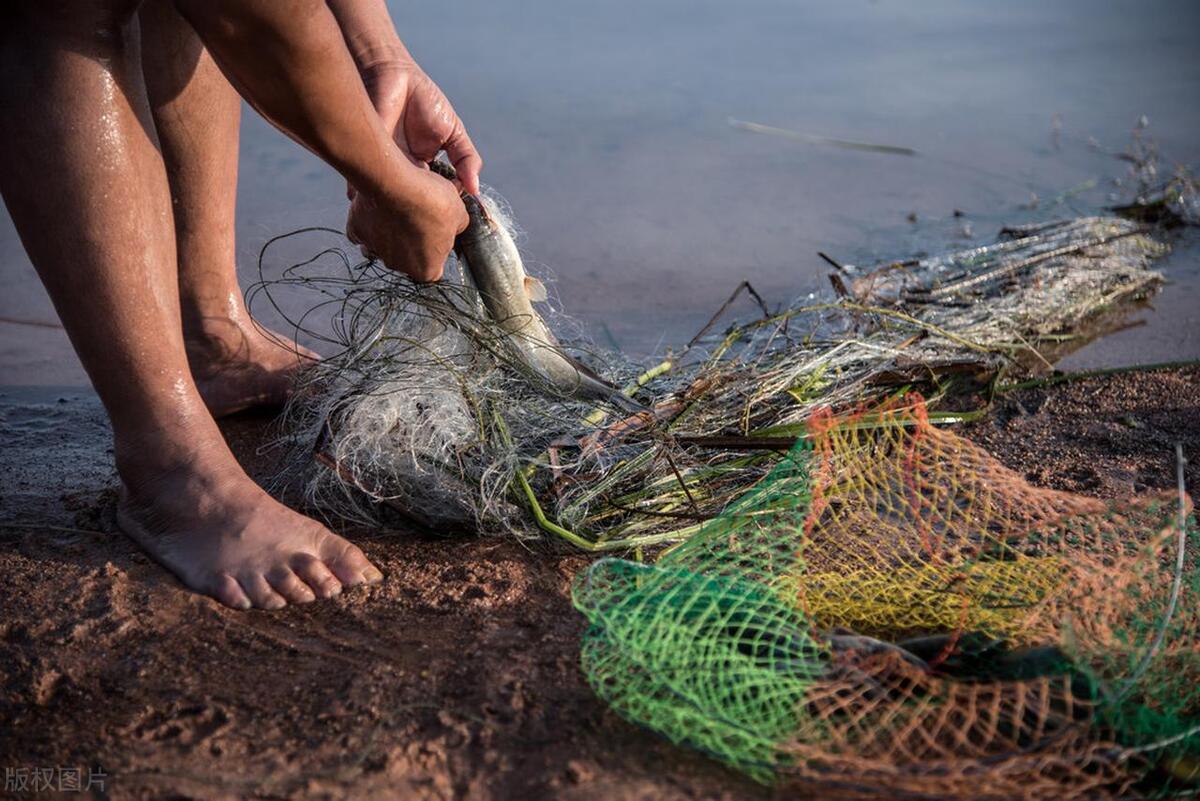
606	127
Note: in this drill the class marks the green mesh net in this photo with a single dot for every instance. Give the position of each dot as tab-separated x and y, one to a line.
893	610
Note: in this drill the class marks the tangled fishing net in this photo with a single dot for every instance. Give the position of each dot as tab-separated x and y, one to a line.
856	602
420	411
894	612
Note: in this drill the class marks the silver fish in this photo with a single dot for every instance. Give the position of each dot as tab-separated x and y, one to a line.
508	294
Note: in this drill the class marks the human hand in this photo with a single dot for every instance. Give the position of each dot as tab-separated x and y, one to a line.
411	226
421	119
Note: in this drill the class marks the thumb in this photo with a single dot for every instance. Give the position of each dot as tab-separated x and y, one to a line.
465	158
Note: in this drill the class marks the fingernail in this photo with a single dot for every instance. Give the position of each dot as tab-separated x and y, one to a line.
372	575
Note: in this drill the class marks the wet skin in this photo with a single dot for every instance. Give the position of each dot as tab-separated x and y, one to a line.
118	146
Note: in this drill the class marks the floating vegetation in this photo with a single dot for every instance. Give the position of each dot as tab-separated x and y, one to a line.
1168	197
812	139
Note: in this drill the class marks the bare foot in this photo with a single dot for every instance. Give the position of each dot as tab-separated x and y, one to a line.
224	536
238	365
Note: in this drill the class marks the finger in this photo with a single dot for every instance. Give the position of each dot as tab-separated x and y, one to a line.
465	158
428	275
464	219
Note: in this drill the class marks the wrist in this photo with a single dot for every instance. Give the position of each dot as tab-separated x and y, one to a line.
377	170
375	55
387	79
399	186
369	33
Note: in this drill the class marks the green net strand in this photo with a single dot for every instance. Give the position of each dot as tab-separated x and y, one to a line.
891	611
661	633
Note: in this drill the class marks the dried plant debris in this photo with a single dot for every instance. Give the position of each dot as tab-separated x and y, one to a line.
421	412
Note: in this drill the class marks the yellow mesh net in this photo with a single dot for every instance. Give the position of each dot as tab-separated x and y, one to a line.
894	610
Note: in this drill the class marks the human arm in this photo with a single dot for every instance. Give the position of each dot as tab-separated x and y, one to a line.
291	63
410	105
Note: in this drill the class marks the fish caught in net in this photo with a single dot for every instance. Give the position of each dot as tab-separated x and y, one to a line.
893	612
419	408
855	602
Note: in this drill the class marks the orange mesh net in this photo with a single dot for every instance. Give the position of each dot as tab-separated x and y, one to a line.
895	610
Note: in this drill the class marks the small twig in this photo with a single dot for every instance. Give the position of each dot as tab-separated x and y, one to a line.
833	263
839	287
845	144
744	286
666	452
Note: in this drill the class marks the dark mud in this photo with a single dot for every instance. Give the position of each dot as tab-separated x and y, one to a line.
457	677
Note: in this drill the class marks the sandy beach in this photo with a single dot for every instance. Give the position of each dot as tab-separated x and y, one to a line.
456	677
608	128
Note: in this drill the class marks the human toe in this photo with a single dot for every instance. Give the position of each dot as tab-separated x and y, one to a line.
259	590
287	584
316	575
349	563
228	591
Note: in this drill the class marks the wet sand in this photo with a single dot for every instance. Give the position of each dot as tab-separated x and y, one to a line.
456	677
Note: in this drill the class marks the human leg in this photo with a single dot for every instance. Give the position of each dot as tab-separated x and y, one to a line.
235	362
85	185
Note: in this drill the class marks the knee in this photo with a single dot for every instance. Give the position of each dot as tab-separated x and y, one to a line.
94	27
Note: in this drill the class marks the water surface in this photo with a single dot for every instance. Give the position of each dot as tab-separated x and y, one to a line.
606	127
